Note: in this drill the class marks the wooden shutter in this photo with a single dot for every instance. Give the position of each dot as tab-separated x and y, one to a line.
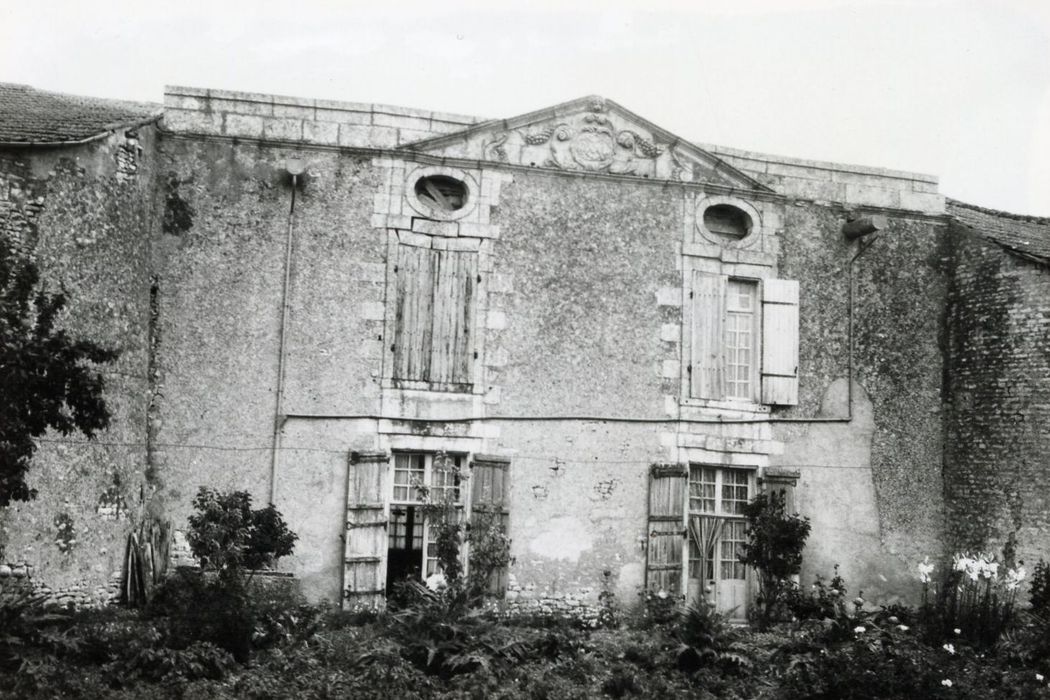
708	338
780	342
783	480
667	497
452	351
364	570
413	316
490	500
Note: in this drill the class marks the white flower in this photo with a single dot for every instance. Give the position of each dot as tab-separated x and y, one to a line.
947	682
957	630
903	628
436	581
859	629
662	594
1014	578
949	648
1039	677
925	569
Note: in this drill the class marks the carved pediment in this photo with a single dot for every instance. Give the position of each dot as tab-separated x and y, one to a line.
591	134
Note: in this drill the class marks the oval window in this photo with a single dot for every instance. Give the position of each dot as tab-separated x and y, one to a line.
441	192
727	221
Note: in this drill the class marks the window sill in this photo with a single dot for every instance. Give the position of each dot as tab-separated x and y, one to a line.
439	387
739	406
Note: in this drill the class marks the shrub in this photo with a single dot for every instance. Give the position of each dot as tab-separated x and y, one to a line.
823	601
227	536
658	609
774	548
215	605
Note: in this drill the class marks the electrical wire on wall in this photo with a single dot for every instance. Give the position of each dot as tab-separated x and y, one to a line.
343	453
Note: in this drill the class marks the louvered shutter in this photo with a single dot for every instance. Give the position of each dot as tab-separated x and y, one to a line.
489	504
708	309
667	497
413	316
780	342
452	350
364	570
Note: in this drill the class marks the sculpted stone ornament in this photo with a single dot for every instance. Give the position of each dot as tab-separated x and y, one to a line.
589	141
590	135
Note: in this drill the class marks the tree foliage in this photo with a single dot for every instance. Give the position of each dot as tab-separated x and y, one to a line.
46	376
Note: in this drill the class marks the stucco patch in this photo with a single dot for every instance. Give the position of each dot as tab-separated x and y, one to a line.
565	538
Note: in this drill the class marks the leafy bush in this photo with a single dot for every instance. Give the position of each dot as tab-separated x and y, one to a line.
658	609
823	601
774	546
215	605
227	536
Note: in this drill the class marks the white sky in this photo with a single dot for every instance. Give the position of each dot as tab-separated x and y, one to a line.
959	89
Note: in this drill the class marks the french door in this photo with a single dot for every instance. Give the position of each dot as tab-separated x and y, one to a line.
717	532
419	479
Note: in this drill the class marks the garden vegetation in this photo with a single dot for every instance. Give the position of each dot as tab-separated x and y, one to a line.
216	633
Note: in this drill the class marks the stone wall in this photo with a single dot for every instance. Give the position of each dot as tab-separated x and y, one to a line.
297	119
998	387
84	215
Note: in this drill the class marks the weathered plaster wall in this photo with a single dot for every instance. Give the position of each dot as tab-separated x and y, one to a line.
587	259
83	214
220	276
901	292
583	261
998	379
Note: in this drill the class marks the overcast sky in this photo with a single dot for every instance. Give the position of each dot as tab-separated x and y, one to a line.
959	89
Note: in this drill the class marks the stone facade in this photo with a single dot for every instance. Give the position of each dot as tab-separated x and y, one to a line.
84	214
263	322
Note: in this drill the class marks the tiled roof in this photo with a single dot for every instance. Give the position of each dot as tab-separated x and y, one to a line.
28	115
1027	236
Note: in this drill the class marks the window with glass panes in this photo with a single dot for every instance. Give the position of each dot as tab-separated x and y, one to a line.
740	333
719	494
421	478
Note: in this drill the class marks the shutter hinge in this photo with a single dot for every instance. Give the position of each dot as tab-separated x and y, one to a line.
689	369
690	293
395	268
479	279
393	348
475	354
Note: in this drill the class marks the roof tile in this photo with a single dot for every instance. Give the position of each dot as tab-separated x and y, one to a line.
32	116
1027	236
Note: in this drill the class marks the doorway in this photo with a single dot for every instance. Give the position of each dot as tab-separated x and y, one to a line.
717	532
419	480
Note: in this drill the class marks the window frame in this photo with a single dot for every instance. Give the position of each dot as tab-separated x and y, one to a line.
461	488
751	274
754	369
751	484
